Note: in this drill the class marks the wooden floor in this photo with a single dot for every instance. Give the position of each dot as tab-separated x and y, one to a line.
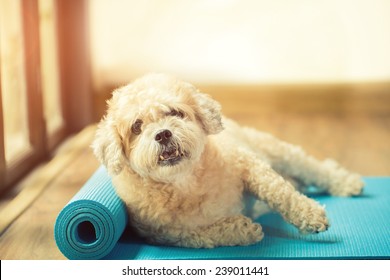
349	124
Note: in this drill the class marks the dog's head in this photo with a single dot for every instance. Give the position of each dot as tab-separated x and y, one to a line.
156	127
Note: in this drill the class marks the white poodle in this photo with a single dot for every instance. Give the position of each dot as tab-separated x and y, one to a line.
182	169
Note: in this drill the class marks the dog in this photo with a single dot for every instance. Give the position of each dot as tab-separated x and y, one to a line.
183	170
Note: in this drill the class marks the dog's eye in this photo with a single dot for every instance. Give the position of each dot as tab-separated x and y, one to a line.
136	127
176	113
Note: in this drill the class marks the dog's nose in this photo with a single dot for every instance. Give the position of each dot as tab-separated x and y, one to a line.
163	137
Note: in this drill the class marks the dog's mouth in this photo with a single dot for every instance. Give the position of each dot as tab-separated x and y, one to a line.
170	155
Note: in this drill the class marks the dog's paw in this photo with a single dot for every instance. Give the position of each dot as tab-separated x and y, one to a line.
348	185
248	231
253	234
315	222
343	182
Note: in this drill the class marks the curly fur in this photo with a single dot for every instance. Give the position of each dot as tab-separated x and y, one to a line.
190	190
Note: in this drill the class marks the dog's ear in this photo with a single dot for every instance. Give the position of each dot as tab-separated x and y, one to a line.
107	146
208	112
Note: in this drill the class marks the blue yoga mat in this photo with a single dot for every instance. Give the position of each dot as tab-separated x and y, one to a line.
91	225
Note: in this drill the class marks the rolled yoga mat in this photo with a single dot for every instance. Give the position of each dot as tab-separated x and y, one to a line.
90	225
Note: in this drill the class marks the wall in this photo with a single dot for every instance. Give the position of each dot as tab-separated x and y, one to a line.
241	41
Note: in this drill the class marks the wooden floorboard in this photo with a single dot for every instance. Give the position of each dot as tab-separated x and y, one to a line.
352	127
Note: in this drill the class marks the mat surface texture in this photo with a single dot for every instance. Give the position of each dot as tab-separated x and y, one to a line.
90	226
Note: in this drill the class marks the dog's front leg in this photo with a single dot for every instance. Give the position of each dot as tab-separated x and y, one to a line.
304	213
229	231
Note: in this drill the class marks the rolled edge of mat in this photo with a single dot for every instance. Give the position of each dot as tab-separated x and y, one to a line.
90	225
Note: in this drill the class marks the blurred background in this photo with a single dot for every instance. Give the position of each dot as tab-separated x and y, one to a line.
316	73
248	41
313	73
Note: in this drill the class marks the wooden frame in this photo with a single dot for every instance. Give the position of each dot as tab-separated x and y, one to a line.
74	63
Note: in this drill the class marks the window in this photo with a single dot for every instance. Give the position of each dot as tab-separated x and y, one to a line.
44	81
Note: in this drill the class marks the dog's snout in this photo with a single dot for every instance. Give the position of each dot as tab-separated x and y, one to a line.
163	137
